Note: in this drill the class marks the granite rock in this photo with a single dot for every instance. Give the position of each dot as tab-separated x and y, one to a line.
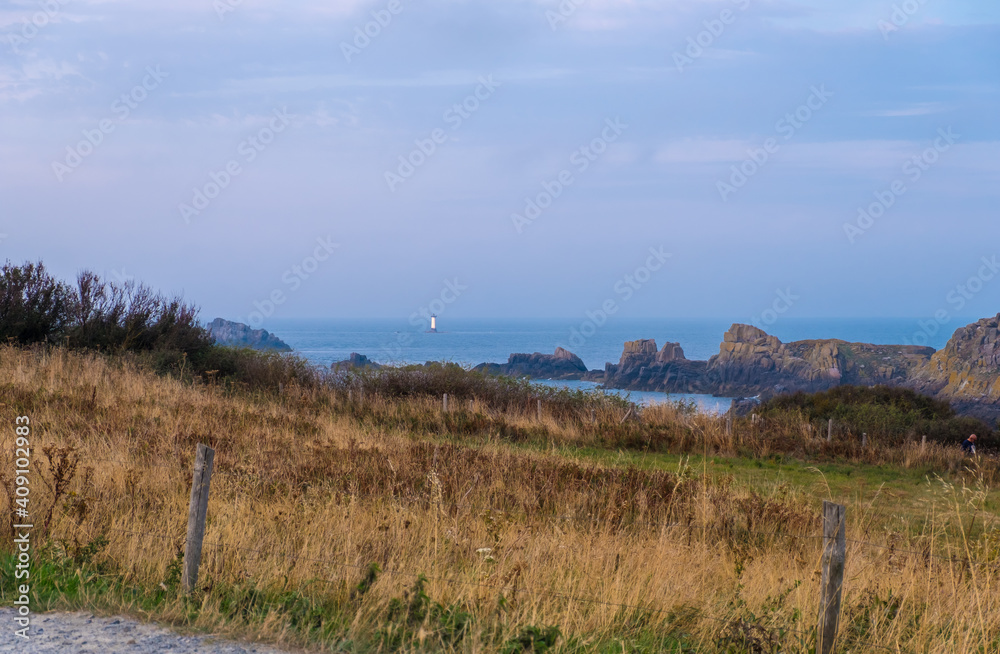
236	334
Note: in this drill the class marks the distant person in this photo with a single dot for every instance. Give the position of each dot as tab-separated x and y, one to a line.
969	445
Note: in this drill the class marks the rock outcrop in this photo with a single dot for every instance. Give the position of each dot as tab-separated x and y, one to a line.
355	361
754	365
227	332
563	364
751	361
967	370
642	367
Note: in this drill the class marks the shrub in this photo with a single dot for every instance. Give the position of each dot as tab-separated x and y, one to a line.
497	391
34	306
255	369
110	317
94	314
888	413
131	317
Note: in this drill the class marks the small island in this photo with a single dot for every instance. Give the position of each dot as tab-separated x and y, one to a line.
236	334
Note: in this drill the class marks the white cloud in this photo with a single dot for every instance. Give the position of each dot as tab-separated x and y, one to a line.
919	109
698	151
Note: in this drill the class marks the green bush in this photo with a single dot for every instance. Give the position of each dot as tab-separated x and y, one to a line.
890	414
34	306
497	391
94	314
130	318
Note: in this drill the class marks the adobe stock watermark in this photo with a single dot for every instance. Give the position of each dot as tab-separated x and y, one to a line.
247	152
958	298
706	38
421	318
365	34
783	301
580	160
913	170
786	127
223	7
625	289
122	108
292	280
30	27
900	16
565	9
454	117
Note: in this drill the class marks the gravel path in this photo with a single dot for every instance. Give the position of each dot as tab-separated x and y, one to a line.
85	633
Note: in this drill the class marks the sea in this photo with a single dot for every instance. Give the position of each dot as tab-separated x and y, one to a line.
469	342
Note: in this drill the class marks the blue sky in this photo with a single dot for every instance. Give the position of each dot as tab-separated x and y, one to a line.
825	105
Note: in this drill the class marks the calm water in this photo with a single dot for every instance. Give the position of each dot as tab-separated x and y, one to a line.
470	342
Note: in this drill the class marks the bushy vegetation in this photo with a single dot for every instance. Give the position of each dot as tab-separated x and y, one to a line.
130	318
888	414
497	392
35	307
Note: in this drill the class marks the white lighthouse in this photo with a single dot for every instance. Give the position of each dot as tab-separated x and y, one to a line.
434	322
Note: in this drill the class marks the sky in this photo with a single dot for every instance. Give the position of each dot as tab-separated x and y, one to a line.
516	159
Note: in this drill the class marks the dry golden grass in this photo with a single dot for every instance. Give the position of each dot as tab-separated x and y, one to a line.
310	490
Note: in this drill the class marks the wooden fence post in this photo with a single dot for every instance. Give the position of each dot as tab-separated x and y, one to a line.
829	430
593	417
197	512
539	410
729	423
832	584
444	403
864	440
923	442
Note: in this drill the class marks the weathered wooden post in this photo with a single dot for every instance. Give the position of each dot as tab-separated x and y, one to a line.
832	584
197	512
593	417
350	396
864	440
444	403
923	442
729	423
829	430
539	410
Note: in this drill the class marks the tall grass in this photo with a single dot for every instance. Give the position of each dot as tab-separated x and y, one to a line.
478	545
508	394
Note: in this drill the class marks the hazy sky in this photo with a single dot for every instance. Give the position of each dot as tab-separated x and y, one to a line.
520	158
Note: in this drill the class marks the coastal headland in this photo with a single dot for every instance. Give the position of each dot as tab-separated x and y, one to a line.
751	362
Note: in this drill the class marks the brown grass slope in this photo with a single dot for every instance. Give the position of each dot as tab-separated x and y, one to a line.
311	489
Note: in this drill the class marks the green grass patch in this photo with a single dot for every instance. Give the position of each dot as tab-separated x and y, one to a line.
314	614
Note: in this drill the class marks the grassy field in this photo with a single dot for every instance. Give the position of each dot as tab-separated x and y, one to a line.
385	525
